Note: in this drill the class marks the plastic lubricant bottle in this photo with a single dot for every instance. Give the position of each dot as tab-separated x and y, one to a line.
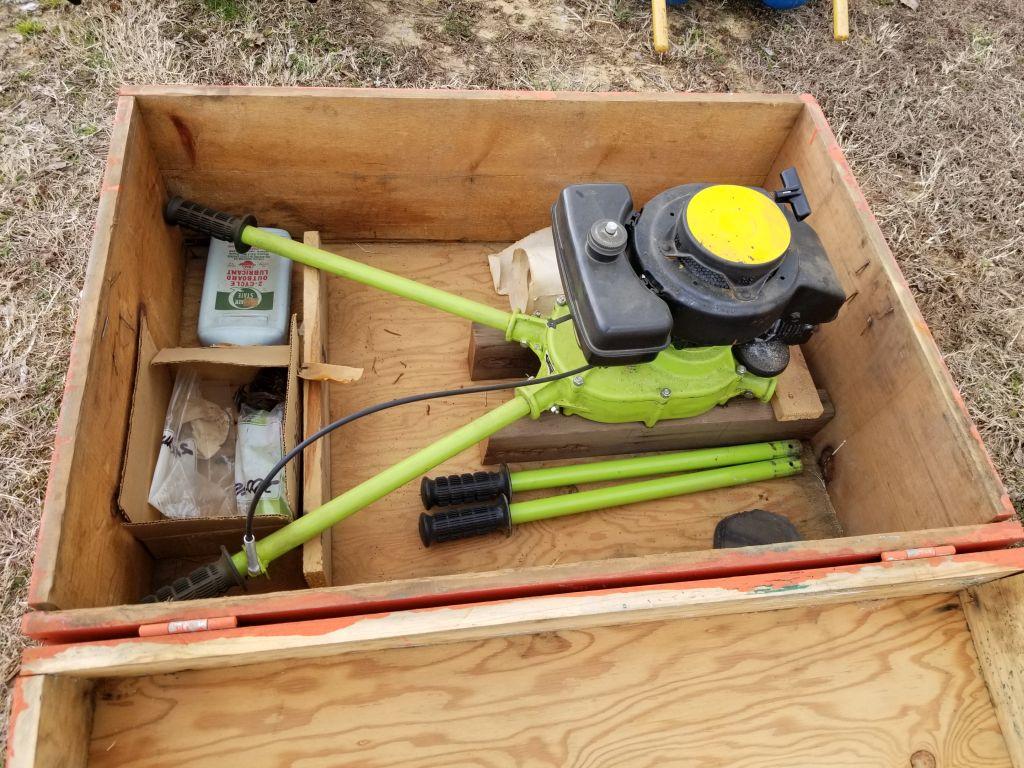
245	296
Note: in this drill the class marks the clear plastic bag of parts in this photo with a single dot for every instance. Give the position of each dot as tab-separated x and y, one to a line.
195	469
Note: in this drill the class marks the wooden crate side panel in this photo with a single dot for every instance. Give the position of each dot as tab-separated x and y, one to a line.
50	722
711	597
446	165
84	556
910	456
995	613
861	684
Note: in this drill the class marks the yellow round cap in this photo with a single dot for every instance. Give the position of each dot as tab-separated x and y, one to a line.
738	224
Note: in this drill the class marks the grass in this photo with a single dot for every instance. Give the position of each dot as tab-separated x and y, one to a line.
29	27
929	107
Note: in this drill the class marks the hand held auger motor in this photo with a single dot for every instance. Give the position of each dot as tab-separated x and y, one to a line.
669	312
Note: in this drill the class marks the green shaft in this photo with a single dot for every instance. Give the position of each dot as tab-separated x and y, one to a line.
660	488
337	509
377	278
658	464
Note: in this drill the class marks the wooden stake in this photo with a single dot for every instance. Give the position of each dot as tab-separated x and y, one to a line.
840	19
659	25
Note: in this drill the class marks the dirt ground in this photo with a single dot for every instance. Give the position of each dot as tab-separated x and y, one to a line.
928	105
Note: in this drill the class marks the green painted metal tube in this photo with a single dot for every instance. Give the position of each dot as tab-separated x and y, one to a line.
377	278
656	464
660	488
337	509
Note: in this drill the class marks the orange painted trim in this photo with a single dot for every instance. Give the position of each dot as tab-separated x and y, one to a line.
300	605
752	585
19	708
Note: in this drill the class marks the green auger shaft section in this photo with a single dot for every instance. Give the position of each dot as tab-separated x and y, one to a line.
657	464
337	509
660	488
377	278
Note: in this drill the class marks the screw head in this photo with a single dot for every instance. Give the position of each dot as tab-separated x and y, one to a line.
666	393
749	395
741	370
577	380
536	313
555	409
560	301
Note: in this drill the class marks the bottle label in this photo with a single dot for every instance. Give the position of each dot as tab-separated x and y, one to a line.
243	285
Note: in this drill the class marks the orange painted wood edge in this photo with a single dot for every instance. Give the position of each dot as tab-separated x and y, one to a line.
752	585
92	624
823	131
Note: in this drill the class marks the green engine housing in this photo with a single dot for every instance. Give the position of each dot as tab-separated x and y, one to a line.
677	384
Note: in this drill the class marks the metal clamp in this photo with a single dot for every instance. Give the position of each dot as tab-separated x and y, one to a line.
252	558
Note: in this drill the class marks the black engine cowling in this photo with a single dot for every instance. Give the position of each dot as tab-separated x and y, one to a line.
637	282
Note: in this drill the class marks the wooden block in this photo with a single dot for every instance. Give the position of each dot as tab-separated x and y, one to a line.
796	397
996	617
492	356
316	480
565	437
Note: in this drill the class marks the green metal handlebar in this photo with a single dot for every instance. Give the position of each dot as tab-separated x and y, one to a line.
648	490
655	464
377	278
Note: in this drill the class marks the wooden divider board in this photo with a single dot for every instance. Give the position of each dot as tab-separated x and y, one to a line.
405	348
883	683
316	469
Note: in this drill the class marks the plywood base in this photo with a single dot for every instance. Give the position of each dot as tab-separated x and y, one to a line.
405	348
865	684
995	613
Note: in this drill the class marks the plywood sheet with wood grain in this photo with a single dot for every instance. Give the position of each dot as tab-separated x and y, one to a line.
405	348
862	684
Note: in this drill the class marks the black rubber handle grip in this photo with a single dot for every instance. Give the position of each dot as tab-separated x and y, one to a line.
216	224
465	489
210	580
463	523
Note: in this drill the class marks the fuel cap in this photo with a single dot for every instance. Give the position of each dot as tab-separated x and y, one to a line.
606	239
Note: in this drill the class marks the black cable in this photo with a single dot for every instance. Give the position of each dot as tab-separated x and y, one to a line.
298	449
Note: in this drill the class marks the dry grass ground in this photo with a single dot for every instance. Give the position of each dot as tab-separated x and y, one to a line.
929	106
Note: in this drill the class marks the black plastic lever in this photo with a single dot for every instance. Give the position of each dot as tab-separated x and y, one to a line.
792	192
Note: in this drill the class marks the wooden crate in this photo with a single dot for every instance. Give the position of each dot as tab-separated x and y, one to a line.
907	506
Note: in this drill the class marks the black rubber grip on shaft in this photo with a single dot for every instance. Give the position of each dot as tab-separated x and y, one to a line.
463	523
467	488
210	580
216	224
